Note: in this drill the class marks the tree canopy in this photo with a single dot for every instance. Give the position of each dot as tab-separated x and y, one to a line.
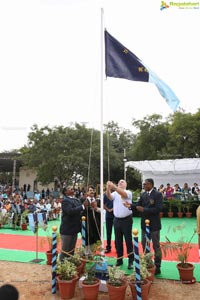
72	153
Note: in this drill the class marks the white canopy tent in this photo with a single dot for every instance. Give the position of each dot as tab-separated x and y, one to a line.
168	171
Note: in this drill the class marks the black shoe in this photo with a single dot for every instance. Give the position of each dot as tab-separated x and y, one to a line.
107	250
157	271
130	265
119	262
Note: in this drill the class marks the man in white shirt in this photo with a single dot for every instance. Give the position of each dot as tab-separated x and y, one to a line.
122	219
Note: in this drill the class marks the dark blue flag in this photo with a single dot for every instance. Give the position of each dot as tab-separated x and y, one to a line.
122	63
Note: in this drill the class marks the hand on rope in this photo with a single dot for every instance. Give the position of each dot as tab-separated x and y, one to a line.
86	203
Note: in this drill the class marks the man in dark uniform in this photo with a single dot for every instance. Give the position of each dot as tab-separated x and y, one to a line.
108	206
70	221
93	220
150	205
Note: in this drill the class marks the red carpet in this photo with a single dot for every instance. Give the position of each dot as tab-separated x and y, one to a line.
193	256
21	242
28	243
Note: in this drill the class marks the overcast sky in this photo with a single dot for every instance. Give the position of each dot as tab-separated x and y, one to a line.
50	62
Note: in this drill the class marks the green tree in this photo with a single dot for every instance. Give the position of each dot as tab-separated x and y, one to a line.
151	138
61	152
119	143
184	135
73	153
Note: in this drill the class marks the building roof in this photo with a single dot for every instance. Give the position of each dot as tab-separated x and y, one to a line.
7	161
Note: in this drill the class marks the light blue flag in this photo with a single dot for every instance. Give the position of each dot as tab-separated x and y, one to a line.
164	90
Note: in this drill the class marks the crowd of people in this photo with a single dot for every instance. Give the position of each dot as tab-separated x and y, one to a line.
176	191
13	205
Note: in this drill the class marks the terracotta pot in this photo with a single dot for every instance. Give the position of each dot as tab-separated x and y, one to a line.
151	277
188	214
117	292
161	214
186	274
144	288
57	285
180	214
67	287
49	257
152	271
91	291
170	214
24	226
80	269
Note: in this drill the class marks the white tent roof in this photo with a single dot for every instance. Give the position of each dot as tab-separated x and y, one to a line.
172	171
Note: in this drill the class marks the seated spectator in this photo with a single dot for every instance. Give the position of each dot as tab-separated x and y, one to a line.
177	188
56	209
195	189
31	206
48	209
186	189
41	206
15	206
7	205
177	191
161	189
169	191
5	196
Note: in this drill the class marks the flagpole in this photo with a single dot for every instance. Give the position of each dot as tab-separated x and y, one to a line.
101	128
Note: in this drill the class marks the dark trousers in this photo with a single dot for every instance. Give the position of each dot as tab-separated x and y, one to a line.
123	228
109	226
155	237
68	245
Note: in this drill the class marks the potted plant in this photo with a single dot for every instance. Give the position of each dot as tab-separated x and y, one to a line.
164	210
77	260
188	203
67	278
80	251
148	258
90	284
116	283
144	283
46	241
181	249
170	213
95	251
24	219
178	204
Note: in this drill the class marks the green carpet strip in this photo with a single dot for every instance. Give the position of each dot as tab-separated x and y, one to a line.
21	256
